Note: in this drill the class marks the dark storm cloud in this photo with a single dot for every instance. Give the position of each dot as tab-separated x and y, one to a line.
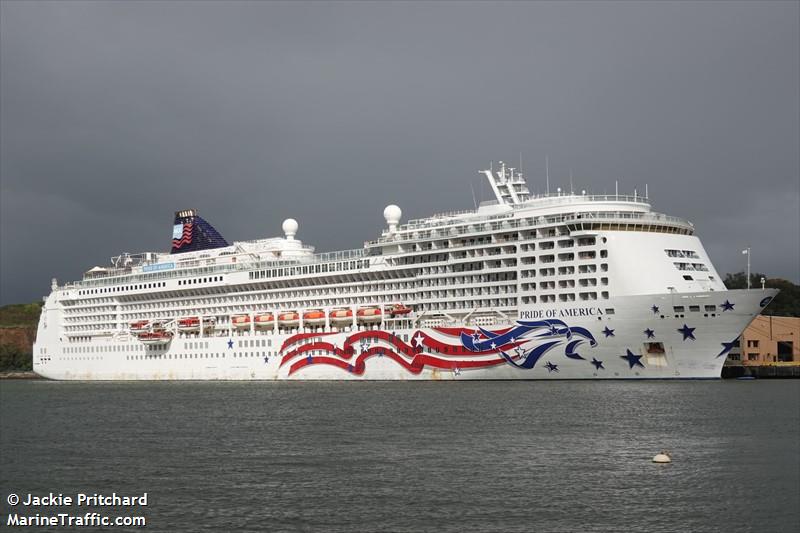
113	115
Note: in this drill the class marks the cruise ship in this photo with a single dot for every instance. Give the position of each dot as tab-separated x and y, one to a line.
551	286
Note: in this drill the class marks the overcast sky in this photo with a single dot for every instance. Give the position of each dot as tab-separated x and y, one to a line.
113	115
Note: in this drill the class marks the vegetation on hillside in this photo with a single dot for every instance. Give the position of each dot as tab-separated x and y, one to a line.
787	303
20	315
14	359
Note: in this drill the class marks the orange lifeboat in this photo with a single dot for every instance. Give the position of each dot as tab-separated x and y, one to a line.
314	317
399	310
289	319
369	315
265	321
155	338
241	321
189	324
140	326
341	317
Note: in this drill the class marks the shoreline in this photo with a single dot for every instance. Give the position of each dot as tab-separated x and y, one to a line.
20	374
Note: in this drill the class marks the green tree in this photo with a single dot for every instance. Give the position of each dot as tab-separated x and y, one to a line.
11	358
20	314
787	303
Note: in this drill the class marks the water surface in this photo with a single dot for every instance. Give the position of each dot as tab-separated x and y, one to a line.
487	456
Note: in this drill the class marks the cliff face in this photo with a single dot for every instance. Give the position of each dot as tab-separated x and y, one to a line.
19	337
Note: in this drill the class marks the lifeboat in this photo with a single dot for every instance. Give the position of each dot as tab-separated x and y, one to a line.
155	338
399	310
289	319
341	317
265	321
140	326
314	317
369	315
157	326
189	324
241	321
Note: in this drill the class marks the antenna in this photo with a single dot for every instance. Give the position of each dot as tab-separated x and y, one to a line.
474	201
571	191
646	194
520	162
547	172
616	189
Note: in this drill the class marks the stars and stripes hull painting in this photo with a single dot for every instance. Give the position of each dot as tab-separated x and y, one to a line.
660	336
453	349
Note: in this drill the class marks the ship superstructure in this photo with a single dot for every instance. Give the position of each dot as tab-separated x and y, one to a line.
523	287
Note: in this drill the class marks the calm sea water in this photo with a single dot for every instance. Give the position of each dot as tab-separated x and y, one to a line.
493	456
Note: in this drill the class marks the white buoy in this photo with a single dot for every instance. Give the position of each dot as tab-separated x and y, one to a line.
662	457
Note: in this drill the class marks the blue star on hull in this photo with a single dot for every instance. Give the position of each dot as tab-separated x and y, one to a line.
230	344
687	332
608	332
650	333
654	309
551	367
727	306
727	347
633	359
597	364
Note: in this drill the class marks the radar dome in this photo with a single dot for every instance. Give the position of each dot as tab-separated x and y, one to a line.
392	214
290	226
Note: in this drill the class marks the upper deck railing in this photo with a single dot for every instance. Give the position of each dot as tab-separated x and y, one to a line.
436	230
542	200
242	261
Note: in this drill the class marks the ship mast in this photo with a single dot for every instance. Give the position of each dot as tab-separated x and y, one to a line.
509	187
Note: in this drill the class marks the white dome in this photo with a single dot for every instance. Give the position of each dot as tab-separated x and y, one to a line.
290	227
392	214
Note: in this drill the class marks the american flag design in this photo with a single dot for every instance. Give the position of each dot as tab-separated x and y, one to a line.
190	233
182	237
456	349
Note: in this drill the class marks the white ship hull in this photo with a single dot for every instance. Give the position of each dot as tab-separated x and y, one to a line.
644	338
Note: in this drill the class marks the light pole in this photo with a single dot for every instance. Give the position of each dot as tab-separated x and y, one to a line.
746	251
